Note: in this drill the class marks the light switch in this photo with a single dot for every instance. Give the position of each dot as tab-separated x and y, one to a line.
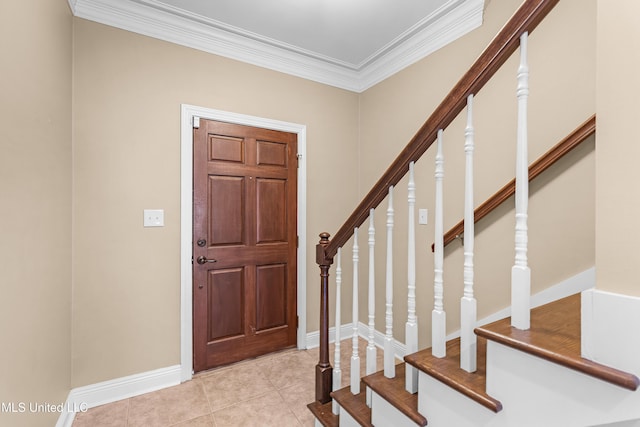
154	217
422	216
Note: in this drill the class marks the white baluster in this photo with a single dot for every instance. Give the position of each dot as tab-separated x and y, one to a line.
337	369
468	309
411	328
438	315
520	272
371	346
389	362
355	357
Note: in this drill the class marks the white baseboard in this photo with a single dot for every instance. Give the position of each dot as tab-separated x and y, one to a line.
573	285
66	418
93	395
83	398
313	338
346	332
399	349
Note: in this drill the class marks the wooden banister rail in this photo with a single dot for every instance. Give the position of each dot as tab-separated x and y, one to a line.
499	50
580	134
525	19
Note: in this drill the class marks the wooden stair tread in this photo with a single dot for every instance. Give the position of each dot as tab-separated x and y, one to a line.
355	405
447	370
393	391
323	414
554	335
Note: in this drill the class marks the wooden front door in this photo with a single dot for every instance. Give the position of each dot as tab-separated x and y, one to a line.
244	242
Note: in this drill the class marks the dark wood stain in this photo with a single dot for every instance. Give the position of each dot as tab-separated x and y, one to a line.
447	370
322	412
354	404
393	391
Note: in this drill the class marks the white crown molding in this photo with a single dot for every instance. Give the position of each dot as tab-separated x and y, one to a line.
72	6
154	19
452	21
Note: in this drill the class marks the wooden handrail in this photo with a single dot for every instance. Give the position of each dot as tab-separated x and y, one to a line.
558	151
526	18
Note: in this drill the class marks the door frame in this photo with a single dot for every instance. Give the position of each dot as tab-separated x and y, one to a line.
188	113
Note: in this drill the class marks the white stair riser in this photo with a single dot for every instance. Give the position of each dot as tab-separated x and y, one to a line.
536	392
445	407
346	420
385	414
533	392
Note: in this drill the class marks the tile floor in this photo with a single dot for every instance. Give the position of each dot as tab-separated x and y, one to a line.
272	390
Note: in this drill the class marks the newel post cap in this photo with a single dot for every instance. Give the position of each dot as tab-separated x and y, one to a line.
321	258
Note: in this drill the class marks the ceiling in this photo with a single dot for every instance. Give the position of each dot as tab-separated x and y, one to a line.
351	44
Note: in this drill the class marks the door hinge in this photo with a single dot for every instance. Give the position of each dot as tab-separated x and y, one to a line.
196	122
297	321
297	242
298	157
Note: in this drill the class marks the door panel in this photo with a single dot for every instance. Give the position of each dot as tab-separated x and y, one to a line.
244	297
272	153
226	148
226	210
226	303
271	218
271	296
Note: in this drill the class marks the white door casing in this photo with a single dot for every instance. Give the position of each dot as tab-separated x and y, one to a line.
188	113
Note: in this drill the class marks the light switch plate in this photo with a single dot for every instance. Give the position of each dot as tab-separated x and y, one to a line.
422	216
154	217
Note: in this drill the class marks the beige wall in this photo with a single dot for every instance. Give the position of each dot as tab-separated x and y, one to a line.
618	201
561	222
127	95
127	91
35	206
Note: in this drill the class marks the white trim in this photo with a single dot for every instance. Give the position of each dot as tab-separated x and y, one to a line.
313	338
72	6
66	418
83	398
186	215
155	19
399	349
346	332
609	329
578	283
449	23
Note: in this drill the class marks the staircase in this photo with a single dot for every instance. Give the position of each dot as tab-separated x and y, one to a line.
545	377
528	369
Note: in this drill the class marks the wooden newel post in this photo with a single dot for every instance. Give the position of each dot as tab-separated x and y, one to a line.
324	371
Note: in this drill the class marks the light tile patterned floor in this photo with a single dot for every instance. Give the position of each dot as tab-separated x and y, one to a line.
272	390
